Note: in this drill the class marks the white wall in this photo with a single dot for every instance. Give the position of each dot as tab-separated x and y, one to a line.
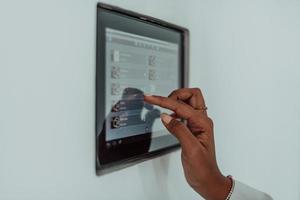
243	56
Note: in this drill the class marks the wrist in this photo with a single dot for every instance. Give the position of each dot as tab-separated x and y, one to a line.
216	188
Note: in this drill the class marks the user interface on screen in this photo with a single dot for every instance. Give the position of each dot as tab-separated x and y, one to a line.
137	65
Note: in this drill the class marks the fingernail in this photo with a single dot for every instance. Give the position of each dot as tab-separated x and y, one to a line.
166	118
147	95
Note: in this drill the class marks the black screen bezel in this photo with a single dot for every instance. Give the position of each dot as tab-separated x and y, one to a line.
102	23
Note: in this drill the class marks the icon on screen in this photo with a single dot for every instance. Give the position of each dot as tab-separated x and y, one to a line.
115	56
115	72
152	60
115	89
152	74
115	122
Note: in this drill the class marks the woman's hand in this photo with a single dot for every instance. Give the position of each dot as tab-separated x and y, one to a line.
196	139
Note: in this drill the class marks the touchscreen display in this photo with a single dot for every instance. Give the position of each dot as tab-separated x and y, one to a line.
134	56
136	65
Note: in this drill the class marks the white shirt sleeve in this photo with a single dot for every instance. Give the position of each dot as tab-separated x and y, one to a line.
242	191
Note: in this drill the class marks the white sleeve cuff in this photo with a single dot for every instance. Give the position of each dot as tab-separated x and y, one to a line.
242	191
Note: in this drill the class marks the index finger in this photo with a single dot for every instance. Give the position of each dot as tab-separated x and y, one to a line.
180	108
192	95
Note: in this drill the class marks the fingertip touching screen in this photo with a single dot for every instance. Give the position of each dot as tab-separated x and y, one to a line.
136	55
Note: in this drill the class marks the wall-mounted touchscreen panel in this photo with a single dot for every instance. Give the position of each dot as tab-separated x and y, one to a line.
134	57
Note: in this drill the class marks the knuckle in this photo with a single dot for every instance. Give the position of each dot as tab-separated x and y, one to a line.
182	90
176	92
172	93
197	90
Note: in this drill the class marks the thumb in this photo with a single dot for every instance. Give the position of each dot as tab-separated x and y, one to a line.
179	130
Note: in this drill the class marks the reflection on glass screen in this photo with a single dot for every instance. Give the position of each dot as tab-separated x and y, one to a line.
137	65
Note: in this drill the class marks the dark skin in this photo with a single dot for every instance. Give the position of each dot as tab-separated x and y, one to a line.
196	138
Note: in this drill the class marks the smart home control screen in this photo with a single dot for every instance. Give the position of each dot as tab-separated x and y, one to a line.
136	65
